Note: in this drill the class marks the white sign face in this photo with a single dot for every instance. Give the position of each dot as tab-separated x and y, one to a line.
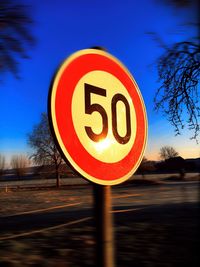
98	117
108	149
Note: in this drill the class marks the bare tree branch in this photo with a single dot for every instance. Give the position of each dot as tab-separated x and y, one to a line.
178	96
167	152
19	163
2	164
14	35
44	149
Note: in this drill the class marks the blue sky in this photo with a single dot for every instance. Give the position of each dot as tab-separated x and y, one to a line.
62	27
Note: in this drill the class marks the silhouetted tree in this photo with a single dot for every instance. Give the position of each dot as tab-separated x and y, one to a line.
179	72
19	163
44	148
2	164
146	166
142	167
167	152
14	34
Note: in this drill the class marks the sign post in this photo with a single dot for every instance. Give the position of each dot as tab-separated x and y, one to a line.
99	122
104	226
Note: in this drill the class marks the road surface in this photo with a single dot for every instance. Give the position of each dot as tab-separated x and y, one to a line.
77	207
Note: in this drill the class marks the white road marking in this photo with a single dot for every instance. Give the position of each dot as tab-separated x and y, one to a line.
44	229
126	210
41	210
126	195
63	225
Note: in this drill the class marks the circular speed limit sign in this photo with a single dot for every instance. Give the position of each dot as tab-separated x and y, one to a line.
98	116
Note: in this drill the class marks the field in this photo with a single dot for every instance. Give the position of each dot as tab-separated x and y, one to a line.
9	181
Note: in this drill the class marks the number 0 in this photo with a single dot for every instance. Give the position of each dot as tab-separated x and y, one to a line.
126	138
90	108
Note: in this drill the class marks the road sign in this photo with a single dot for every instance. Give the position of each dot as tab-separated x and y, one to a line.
98	116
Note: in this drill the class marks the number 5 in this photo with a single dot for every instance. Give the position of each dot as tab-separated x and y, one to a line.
90	108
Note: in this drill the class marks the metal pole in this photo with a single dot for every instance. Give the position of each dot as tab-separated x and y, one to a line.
104	226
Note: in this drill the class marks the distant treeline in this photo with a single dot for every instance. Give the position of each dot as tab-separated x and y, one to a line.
171	165
175	164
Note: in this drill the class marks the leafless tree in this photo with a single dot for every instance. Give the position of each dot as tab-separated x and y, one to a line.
14	34
19	163
2	164
142	167
146	166
178	96
44	148
179	72
167	152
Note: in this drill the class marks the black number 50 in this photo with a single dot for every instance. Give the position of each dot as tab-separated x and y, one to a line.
90	108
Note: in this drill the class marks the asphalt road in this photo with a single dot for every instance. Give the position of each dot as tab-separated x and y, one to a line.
128	202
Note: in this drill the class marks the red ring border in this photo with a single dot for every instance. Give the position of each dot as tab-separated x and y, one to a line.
72	73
